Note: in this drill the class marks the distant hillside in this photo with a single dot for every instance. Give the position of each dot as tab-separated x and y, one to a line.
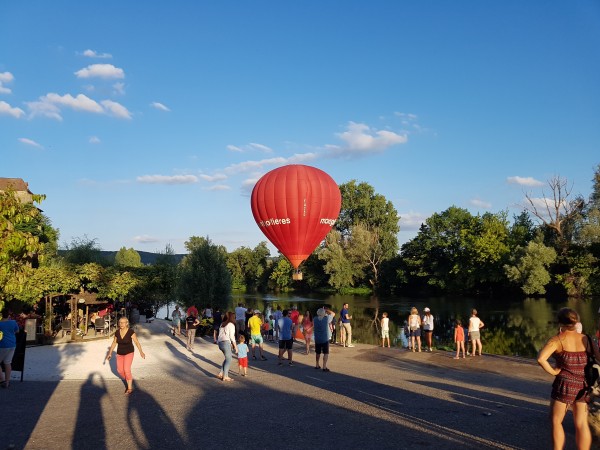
147	257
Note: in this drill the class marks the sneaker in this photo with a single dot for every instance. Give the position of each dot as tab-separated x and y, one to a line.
350	346
291	363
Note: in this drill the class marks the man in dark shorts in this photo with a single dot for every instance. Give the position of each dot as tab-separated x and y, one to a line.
285	338
321	334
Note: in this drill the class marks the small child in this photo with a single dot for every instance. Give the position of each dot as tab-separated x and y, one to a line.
459	338
385	329
242	356
265	330
271	328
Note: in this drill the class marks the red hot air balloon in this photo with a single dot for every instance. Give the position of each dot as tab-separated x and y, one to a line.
295	206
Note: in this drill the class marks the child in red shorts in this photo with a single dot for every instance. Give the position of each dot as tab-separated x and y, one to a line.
242	356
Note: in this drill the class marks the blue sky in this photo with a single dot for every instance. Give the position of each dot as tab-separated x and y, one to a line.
146	123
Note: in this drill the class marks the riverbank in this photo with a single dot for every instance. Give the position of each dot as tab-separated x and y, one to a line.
372	398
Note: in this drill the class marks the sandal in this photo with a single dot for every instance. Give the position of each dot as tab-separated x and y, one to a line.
128	391
317	367
325	370
220	376
262	358
227	379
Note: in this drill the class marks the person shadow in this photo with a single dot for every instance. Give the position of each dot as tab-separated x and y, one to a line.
150	424
90	405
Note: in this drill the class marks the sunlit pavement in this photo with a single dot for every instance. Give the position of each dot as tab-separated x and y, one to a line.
372	398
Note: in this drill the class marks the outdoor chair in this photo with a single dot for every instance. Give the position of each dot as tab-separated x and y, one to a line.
99	325
65	327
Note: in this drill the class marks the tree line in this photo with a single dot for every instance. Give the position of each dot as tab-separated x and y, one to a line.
552	247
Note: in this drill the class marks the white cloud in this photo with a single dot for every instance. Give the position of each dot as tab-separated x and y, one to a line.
412	220
94	54
79	103
212	178
94	140
219	187
247	166
49	105
166	179
159	106
119	88
480	203
5	108
361	139
5	77
524	181
116	109
30	142
250	147
100	71
145	239
262	148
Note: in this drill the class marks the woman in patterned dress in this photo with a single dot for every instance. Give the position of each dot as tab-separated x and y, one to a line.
569	388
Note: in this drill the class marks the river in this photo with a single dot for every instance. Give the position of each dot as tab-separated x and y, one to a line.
512	327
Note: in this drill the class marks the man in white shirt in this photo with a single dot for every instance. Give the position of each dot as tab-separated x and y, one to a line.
240	320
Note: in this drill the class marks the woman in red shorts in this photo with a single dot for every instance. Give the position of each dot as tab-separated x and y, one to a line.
568	348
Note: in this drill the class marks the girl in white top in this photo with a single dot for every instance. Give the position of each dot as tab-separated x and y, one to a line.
475	324
226	341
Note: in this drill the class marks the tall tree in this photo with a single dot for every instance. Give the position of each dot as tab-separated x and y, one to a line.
203	275
83	250
557	210
19	246
127	257
528	267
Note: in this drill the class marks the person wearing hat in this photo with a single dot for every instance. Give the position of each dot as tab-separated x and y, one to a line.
428	329
255	325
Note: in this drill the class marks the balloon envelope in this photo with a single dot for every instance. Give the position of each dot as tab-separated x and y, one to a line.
295	206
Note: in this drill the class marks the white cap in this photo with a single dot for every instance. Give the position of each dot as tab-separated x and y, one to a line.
426	310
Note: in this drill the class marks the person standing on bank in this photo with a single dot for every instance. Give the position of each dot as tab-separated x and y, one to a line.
414	326
176	317
570	351
124	339
226	341
321	333
8	345
428	329
475	324
191	325
345	319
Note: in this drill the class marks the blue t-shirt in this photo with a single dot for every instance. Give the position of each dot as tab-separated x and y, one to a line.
321	330
285	328
9	329
242	350
343	314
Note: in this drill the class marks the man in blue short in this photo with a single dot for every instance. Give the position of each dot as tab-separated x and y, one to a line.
285	338
321	333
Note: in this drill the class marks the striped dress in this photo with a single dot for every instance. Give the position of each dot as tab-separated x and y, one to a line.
571	379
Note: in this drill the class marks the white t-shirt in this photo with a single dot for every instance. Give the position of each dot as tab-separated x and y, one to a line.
474	323
385	324
428	322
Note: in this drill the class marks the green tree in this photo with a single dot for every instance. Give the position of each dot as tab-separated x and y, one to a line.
342	273
362	206
248	266
83	250
203	274
456	252
528	267
281	275
117	284
19	246
128	257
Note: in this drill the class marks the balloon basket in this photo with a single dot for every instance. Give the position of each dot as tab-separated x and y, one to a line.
297	275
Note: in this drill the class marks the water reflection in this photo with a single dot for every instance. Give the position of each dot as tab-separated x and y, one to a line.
511	327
